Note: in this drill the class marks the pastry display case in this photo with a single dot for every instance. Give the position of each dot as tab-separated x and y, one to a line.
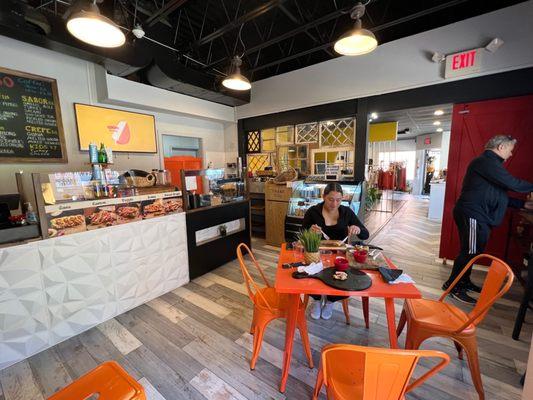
72	202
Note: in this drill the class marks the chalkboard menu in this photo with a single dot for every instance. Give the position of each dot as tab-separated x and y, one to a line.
31	129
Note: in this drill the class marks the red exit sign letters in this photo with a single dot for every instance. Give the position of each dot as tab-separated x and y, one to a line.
463	63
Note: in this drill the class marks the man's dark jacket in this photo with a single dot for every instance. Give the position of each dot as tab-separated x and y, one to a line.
485	185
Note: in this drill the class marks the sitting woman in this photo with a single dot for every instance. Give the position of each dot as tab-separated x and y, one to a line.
337	222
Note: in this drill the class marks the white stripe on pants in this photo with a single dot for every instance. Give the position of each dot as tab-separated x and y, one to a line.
472	237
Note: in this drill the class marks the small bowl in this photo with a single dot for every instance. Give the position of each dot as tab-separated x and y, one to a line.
341	264
360	256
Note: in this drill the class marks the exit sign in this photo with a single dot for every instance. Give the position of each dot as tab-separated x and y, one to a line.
463	63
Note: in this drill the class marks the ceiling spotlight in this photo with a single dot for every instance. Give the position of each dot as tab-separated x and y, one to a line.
370	120
90	26
138	32
236	81
374	115
439	129
438	112
358	40
438	57
494	45
436	123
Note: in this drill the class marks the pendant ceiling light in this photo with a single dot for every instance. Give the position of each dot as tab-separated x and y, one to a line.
90	26
236	80
358	40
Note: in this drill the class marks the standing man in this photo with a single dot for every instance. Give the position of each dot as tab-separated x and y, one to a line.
481	206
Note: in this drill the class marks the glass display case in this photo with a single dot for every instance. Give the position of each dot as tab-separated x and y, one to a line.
219	188
306	194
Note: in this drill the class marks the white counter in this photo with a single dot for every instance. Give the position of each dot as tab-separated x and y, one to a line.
53	289
436	200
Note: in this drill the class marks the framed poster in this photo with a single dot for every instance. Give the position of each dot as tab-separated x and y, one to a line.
31	129
122	131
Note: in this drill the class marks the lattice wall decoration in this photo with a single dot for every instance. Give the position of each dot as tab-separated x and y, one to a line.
285	135
307	133
257	162
253	142
340	132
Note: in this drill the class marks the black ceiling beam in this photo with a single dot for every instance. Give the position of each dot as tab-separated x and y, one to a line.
169	7
289	34
297	21
386	25
239	21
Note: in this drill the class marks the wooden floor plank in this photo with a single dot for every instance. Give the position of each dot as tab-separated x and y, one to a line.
18	383
194	343
212	387
123	340
49	372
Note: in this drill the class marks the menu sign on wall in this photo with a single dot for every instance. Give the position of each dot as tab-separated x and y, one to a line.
31	129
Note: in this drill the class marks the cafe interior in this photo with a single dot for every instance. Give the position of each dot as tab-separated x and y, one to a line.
167	175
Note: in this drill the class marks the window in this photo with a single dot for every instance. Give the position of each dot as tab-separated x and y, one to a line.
307	133
253	142
285	135
339	132
268	140
341	157
257	162
293	156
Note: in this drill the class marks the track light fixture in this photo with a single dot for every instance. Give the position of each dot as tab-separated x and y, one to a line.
358	40
90	26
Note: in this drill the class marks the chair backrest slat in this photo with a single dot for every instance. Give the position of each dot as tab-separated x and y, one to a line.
252	287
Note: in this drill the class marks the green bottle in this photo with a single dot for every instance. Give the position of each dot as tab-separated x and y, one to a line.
102	155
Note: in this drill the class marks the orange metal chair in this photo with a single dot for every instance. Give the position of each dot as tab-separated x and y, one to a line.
108	381
268	305
368	373
428	318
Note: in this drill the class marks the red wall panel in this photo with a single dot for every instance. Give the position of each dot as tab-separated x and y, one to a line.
473	124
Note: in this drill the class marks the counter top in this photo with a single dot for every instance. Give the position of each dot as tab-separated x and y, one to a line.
217	206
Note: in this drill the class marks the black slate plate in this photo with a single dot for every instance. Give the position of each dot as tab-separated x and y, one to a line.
357	280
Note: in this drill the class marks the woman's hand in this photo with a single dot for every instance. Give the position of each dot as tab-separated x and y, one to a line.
316	228
354	230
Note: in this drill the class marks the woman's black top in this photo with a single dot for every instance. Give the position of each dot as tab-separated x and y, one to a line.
335	232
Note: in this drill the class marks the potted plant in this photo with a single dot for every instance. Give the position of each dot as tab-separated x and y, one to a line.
310	241
223	230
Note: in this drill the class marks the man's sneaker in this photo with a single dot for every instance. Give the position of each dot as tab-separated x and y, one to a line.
462	296
327	311
317	309
472	287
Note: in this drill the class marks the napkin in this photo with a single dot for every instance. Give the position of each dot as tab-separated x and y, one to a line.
312	268
394	276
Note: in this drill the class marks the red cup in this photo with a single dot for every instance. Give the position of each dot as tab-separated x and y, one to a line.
341	264
360	256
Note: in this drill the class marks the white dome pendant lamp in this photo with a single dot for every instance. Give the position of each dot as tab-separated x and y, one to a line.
357	41
90	26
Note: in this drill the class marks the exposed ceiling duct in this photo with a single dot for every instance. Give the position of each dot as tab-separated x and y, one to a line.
162	68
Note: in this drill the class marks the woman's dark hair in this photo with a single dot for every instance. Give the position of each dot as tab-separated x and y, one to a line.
332	187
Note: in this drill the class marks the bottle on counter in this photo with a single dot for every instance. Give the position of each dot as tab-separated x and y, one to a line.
31	215
93	153
102	155
109	155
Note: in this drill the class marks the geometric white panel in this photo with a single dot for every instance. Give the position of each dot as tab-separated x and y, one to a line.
53	289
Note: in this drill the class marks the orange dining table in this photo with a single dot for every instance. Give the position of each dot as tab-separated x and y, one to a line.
285	283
